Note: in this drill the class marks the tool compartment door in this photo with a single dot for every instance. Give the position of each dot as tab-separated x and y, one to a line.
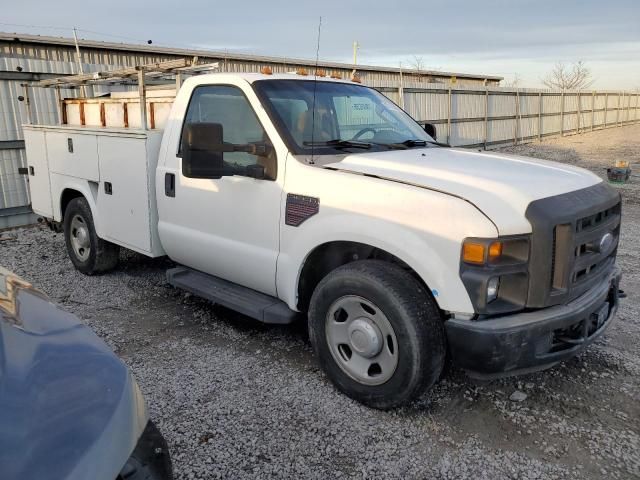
123	193
38	169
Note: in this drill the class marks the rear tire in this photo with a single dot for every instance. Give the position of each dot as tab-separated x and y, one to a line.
377	333
89	253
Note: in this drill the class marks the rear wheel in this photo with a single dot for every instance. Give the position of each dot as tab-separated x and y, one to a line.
89	253
377	333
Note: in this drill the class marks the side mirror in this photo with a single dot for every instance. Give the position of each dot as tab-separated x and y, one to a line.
202	151
256	171
430	128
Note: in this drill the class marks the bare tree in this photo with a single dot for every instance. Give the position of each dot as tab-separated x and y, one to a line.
514	82
576	76
417	63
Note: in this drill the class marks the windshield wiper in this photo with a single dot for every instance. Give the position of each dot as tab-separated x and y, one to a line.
413	143
338	143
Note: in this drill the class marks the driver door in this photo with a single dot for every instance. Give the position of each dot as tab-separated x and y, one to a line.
229	226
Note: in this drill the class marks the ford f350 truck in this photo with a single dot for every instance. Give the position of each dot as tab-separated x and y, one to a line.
287	196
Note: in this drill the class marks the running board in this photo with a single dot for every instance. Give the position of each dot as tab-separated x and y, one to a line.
263	308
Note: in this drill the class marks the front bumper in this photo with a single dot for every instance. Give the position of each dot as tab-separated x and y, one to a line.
530	341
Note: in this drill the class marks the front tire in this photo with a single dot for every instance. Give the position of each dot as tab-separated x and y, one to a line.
89	253
377	333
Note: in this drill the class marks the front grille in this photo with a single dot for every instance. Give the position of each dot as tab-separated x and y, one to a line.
565	259
577	256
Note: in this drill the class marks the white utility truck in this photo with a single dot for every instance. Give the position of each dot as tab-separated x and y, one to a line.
286	196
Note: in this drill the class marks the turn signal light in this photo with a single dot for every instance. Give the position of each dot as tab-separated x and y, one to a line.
473	252
495	251
479	253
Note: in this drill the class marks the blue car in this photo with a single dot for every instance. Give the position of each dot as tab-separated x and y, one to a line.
69	407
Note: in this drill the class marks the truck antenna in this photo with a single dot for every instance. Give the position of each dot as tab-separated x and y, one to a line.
315	83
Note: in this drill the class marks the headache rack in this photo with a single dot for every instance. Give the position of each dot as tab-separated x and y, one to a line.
146	107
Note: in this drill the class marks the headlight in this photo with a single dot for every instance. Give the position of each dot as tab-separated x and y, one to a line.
492	289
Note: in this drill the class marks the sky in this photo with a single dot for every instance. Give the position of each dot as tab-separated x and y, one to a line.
518	38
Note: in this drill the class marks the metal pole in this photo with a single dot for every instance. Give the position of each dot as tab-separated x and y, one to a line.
579	112
628	108
517	110
143	100
540	106
562	113
606	107
449	117
355	56
593	109
618	112
486	117
401	89
178	81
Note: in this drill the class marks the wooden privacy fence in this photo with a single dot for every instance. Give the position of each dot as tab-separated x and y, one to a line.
472	117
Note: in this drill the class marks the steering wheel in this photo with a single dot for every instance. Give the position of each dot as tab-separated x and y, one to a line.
362	132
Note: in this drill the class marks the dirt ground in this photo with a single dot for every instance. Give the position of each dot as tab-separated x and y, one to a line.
236	399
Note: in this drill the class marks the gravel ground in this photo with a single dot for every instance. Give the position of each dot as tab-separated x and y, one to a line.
236	399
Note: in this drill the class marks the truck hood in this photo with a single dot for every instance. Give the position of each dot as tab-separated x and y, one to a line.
501	186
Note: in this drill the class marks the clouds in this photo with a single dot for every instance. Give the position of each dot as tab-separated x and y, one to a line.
463	35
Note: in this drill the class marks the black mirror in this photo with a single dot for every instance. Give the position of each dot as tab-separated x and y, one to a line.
256	171
202	151
430	128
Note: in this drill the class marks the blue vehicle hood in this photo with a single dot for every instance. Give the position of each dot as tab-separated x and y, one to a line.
69	408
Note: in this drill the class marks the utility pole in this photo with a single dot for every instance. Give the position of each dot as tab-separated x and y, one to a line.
356	46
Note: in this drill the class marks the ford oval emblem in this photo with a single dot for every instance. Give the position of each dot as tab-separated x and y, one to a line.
605	242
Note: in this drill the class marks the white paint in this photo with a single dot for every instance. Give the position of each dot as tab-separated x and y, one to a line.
417	204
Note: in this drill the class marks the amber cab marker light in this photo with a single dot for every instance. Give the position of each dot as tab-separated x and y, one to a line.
266	70
302	71
473	252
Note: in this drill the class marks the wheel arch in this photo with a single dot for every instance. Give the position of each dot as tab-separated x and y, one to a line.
328	256
72	190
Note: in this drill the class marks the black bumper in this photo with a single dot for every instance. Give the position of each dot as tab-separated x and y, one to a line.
535	340
150	460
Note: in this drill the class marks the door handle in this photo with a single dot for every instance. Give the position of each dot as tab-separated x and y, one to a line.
170	184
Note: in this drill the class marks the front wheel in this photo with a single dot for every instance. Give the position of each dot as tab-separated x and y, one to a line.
89	253
377	333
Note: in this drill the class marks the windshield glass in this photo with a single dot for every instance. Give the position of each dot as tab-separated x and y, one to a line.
345	117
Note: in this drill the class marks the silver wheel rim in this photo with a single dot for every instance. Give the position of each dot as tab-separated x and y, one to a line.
361	340
79	236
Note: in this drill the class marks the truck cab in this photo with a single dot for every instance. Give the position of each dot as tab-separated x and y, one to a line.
290	197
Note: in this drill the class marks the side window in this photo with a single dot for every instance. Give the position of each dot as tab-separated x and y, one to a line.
228	106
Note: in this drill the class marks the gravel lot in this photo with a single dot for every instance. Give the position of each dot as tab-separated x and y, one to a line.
236	399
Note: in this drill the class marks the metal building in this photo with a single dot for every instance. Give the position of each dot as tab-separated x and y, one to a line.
26	57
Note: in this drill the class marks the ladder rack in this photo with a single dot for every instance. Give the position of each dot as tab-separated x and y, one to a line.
162	73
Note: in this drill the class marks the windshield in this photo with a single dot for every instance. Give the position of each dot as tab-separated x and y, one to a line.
345	117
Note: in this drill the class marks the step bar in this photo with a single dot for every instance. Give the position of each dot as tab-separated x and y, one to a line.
264	308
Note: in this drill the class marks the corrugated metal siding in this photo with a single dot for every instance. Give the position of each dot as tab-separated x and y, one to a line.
13	186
